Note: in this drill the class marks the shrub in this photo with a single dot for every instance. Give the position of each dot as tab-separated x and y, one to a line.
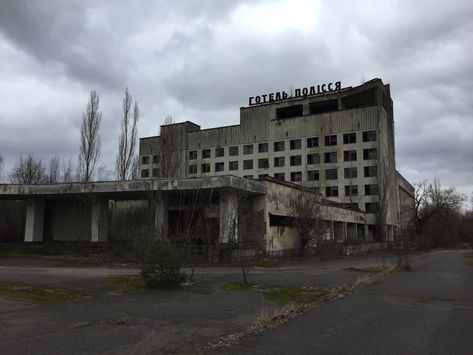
161	266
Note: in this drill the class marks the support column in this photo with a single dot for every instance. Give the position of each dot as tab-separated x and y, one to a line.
161	216
344	231
332	231
34	221
99	220
228	217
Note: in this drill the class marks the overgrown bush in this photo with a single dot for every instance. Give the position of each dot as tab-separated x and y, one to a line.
161	266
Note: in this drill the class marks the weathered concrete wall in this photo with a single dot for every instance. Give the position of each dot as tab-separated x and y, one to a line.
67	220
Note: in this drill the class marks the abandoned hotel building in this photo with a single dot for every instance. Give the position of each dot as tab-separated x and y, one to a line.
324	154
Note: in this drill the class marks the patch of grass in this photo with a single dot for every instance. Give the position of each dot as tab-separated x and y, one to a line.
262	263
370	270
287	295
236	286
127	283
61	261
41	294
469	259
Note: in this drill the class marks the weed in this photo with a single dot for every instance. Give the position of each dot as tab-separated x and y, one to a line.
236	286
127	283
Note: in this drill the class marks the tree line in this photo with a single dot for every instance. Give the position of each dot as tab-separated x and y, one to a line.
29	170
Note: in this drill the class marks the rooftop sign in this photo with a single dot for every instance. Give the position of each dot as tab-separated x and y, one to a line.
301	92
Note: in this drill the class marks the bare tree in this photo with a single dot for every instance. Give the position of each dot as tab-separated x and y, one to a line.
54	172
135	168
67	171
28	171
1	166
127	139
90	144
103	173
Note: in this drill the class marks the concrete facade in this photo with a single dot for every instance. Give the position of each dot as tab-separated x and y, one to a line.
339	143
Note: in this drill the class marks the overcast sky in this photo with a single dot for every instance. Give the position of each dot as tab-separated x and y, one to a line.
201	60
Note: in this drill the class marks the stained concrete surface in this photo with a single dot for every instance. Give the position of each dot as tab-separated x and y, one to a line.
426	311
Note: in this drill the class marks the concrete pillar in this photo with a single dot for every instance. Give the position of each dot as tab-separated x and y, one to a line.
34	221
99	220
332	231
161	216
344	231
228	217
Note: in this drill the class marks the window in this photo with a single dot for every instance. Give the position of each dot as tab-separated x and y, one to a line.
155	172
155	159
250	177
295	144
205	153
263	163
232	151
371	207
369	136
262	147
233	165
331	140
312	142
289	111
219	166
280	176
313	159
331	174
192	169
205	168
349	155
370	154
144	173
296	176
247	164
279	146
296	160
371	171
279	161
193	155
145	160
371	189
331	191
349	138
330	157
350	173
219	152
351	190
248	149
313	175
323	106
262	176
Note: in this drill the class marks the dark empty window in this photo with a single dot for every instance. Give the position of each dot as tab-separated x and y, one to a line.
232	151
331	174
279	146
219	152
250	177
296	176
331	140
219	166
205	153
247	164
248	149
371	189
350	173
205	168
192	169
289	111
279	161
263	163
369	154
144	173
331	191
145	160
193	154
349	155
323	106
155	159
262	147
313	159
313	175
312	142
371	171
280	176
295	144
349	138
369	136
296	160
362	99
351	190
371	207
262	176
233	165
330	157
